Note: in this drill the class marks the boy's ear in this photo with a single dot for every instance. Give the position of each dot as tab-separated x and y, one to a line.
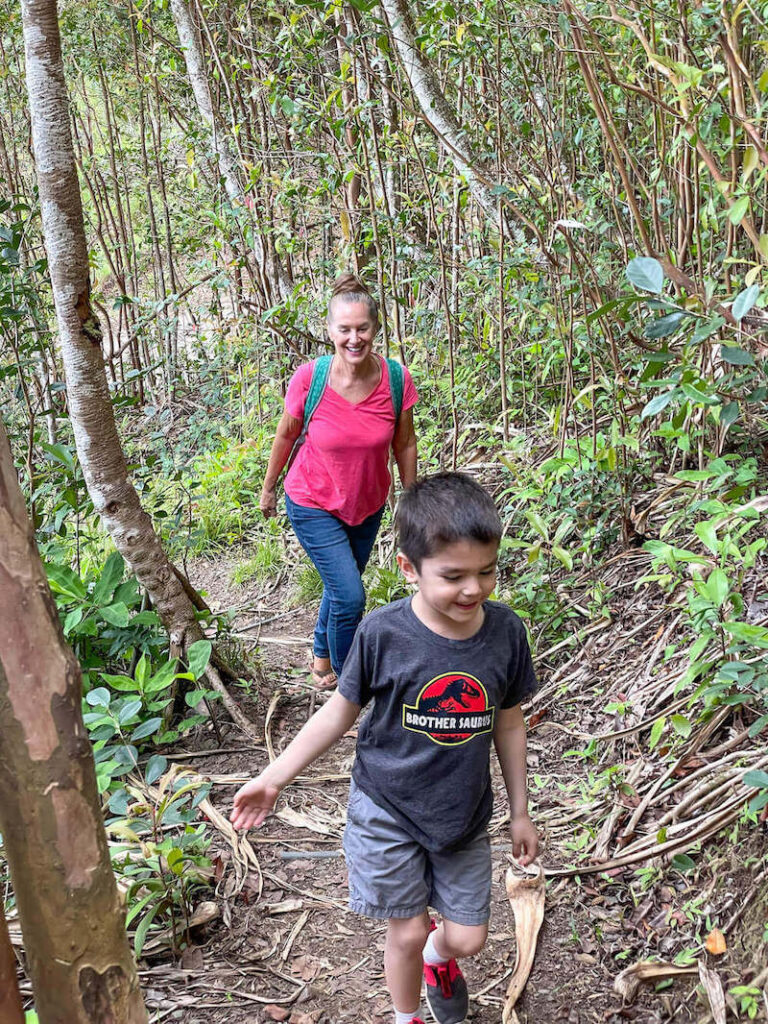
407	568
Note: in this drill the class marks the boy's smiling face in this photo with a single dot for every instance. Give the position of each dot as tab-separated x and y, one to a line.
453	583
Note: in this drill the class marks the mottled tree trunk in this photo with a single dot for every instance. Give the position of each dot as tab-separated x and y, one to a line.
435	107
73	925
96	438
11	1009
274	277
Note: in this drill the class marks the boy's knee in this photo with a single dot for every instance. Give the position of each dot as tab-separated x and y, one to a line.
408	935
463	940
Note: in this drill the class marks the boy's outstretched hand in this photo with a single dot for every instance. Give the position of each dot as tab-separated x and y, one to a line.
253	803
525	839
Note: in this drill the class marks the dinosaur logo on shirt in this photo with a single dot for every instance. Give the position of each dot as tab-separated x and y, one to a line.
451	709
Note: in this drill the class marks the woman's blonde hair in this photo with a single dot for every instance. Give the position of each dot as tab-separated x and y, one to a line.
348	288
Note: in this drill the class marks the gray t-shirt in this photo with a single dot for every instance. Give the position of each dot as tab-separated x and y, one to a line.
423	750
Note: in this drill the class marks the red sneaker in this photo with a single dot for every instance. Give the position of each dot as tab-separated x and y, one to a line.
447	995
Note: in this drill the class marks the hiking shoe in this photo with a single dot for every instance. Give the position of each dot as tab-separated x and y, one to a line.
447	995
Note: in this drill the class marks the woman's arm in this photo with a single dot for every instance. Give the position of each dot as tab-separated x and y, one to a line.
288	430
256	798
404	447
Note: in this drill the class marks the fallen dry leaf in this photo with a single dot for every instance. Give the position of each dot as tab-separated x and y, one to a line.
715	943
277	1012
628	982
714	989
526	897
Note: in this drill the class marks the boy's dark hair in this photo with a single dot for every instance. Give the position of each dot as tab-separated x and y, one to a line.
441	510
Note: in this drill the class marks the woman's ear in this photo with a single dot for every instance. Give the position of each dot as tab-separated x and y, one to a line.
407	568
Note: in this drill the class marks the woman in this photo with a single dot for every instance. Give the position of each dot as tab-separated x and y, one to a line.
338	478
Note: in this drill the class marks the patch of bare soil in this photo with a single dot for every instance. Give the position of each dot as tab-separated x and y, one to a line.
285	948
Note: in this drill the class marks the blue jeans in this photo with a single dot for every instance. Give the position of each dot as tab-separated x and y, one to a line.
340	553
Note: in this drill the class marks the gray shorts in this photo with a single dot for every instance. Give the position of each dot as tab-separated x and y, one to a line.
392	875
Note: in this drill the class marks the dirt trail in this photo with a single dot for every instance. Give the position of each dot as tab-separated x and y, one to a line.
294	952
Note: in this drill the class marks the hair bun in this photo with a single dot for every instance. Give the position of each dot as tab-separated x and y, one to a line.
346	284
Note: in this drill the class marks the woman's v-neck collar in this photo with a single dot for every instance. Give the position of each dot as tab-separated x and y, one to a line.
371	393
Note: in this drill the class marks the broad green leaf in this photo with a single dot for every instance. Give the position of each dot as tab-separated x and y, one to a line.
717	587
683	863
73	619
758	779
681	725
162	678
664	326
115	615
199	655
707	534
193	697
657	403
111	575
656	731
143	668
137	907
146	729
746	633
156	765
99	698
729	414
749	163
738	211
744	301
646	273
122	683
129	710
64	581
699	396
563	556
736	356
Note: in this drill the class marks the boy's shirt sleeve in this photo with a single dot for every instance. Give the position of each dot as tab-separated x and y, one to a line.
521	678
355	681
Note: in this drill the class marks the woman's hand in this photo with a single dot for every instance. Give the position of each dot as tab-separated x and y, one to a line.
268	502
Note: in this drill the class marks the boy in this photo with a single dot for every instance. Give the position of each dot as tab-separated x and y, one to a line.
446	670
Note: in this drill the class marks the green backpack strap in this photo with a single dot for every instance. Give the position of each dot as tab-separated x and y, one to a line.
396	382
321	368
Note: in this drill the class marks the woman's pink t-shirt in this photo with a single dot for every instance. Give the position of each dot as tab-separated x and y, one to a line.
343	465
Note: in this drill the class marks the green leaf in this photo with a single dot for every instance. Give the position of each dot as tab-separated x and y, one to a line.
707	534
563	556
646	273
162	678
758	779
156	765
656	404
198	656
63	581
664	325
122	683
717	587
656	731
738	211
141	932
193	697
130	709
137	907
111	575
683	863
146	729
99	698
142	672
744	301
681	725
73	619
699	396
736	356
115	615
746	633
729	414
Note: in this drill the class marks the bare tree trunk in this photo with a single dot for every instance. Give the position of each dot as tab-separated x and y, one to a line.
96	438
228	164
434	106
11	1008
73	924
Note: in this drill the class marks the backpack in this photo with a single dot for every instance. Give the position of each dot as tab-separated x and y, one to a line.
321	371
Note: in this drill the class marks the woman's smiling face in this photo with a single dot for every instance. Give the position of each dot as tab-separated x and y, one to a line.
352	330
